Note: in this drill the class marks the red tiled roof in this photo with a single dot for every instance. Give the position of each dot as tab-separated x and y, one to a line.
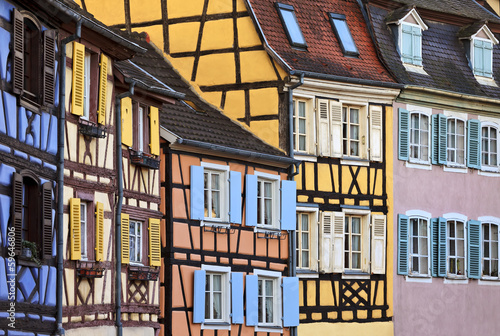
324	54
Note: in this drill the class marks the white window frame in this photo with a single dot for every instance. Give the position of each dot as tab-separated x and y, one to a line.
364	131
275	180
365	240
140	127
490	168
346	131
86	85
495	221
296	128
224	323
419	214
457	218
313	238
276	325
224	193
429	144
450	163
138	241
83	230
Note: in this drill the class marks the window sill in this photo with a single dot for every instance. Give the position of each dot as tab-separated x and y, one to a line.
456	281
306	273
418	278
354	162
305	157
487	172
415	68
355	275
486	81
489	281
269	329
455	169
216	325
419	165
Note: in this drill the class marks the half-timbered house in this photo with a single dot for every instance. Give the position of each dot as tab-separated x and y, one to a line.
445	131
28	167
304	76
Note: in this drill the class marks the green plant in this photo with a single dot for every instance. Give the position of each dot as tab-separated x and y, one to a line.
33	247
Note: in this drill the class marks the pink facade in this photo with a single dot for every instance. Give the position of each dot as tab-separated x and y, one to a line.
437	305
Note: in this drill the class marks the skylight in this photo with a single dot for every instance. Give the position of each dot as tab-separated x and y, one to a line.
292	29
343	34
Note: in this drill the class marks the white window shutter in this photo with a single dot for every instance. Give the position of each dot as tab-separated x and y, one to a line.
379	223
336	128
326	242
323	128
376	133
338	242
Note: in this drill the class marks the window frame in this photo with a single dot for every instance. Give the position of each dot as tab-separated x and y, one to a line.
138	239
32	208
225	322
280	7
423	215
277	322
313	214
491	221
362	132
342	18
84	225
417	63
456	218
485	167
141	127
275	200
365	241
296	126
224	193
419	160
450	163
481	72
32	73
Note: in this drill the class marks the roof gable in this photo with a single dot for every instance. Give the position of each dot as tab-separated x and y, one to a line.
407	15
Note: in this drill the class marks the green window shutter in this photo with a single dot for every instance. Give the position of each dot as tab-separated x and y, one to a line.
439	139
403	223
434	138
417	45
404	134
434	246
474	144
442	247
487	58
478	58
474	249
407	43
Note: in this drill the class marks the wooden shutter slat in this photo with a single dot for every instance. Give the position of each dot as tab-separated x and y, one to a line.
103	86
75	229
323	127
17	207
125	228
47	219
442	247
474	144
474	249
379	223
376	134
78	78
434	247
338	242
403	223
404	134
336	129
154	242
49	67
326	244
154	125
127	125
99	231
18	64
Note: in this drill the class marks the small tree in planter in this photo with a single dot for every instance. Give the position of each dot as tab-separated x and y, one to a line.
30	251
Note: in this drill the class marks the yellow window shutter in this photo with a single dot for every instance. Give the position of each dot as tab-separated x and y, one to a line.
126	108
154	242
75	229
125	239
103	85
99	231
154	123
78	78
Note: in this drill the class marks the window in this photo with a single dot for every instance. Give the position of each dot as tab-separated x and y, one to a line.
216	297
482	57
490	250
267	202
30	214
83	230
142	133
292	29
215	194
300	137
411	44
456	142
269	298
351	131
343	34
32	60
419	137
489	147
135	236
303	239
86	89
349	246
419	246
456	248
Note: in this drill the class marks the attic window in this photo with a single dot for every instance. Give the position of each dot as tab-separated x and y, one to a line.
341	30
292	29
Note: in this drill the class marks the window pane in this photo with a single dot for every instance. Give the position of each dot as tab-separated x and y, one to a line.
268	211
292	26
356	260
425	265
423	246
269	310
356	225
217	282
305	259
305	222
215	204
302	143
217	306
354	115
460	230
415	265
305	240
354	149
423	229
302	109
267	189
302	126
354	132
207	305
345	35
356	243
415	245
269	287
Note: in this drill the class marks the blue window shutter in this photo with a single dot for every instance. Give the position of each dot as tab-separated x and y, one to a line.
290	302
197	193
199	296
434	247
435	138
252	298
403	244
417	45
288	205
478	58
442	140
404	134
474	249
251	200
235	197
237	297
487	59
407	44
442	247
474	144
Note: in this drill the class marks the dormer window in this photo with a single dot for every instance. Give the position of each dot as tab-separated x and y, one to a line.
479	42
341	30
292	29
408	29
